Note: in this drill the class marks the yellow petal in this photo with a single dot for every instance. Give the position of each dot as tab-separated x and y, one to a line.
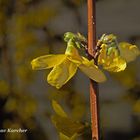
58	109
47	61
68	126
72	53
64	137
128	51
115	65
74	59
92	71
71	50
112	62
62	73
102	55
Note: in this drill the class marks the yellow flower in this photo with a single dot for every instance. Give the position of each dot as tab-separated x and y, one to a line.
65	66
128	51
113	56
112	62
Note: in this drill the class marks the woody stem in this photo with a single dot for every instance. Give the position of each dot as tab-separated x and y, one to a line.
93	85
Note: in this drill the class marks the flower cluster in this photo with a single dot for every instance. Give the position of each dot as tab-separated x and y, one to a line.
114	56
111	56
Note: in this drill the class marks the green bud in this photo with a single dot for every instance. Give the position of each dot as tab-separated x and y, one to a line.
68	36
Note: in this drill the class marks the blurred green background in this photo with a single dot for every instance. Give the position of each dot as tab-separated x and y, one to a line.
31	28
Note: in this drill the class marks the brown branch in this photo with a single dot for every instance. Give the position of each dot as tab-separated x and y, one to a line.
93	84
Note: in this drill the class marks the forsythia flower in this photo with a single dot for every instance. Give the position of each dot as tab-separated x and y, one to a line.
65	66
112	62
113	56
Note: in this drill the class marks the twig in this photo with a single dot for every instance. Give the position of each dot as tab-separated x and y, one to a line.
93	84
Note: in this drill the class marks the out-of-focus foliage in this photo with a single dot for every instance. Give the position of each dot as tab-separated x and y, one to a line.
23	35
68	129
138	138
73	3
14	125
21	21
4	89
136	107
75	101
129	79
124	79
64	137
